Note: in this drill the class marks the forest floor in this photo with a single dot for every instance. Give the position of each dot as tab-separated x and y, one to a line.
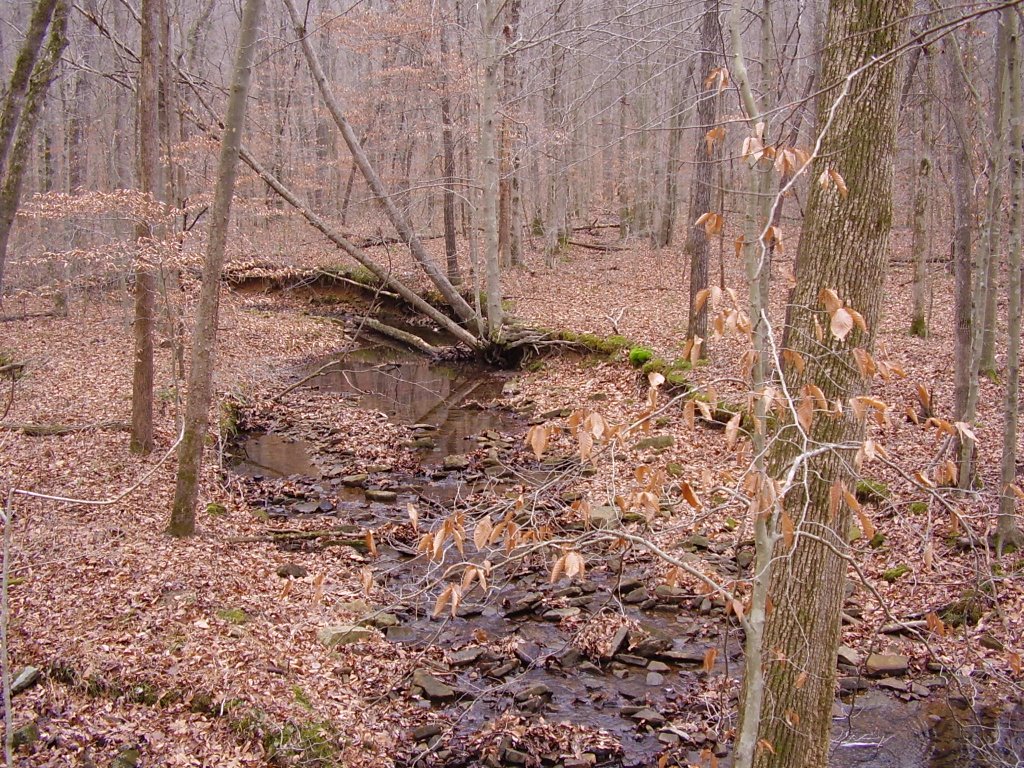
200	653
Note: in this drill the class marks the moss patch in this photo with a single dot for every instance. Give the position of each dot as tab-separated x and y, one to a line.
872	492
892	574
640	355
233	615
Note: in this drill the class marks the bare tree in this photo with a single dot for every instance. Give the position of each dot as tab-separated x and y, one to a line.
204	336
148	100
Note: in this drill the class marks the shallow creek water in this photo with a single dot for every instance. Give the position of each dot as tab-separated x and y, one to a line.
663	675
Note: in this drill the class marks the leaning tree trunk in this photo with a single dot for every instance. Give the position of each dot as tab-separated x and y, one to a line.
843	247
204	337
398	219
18	87
19	132
148	100
1007	530
697	245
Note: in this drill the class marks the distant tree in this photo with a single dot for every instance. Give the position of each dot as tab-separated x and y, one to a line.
204	335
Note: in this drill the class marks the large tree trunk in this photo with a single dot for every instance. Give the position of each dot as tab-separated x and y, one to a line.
843	247
1008	531
489	170
19	132
204	336
148	100
697	246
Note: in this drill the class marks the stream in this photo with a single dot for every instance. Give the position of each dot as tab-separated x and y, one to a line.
524	650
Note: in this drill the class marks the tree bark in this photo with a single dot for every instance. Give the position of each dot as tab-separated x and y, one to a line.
843	247
204	337
448	148
148	100
489	170
963	215
697	246
922	195
996	151
1007	529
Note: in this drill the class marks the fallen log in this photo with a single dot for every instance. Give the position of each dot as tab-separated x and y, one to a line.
33	315
596	246
52	430
404	337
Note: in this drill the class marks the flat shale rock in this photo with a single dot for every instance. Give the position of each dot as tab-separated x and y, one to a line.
344	634
887	665
433	689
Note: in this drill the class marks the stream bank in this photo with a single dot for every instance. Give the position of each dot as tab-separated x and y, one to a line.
639	669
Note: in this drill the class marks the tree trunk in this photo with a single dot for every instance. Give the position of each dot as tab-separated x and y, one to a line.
489	170
697	246
670	202
1007	529
513	136
965	371
448	147
996	151
204	336
12	173
148	100
922	195
843	247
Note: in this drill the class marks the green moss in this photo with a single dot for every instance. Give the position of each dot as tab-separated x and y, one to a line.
967	609
601	345
919	507
893	574
311	744
640	355
216	510
674	469
233	615
301	698
731	523
919	328
230	414
877	541
872	492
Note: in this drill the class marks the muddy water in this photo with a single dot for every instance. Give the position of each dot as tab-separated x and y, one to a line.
663	671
